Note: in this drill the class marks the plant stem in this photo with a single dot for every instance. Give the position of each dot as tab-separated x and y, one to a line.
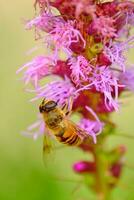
102	188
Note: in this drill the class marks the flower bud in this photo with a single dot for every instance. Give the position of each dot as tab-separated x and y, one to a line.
62	69
116	169
84	167
103	60
86	147
121	149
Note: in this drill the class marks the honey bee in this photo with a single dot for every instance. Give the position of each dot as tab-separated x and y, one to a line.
57	123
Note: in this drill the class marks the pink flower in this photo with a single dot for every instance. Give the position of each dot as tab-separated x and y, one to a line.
104	81
124	16
59	91
88	42
116	52
84	7
80	69
92	127
127	78
36	129
45	22
37	69
64	35
75	8
103	27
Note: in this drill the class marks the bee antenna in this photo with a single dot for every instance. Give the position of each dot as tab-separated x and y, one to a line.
44	100
57	101
40	109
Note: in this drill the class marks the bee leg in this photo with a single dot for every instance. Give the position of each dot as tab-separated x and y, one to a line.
67	107
61	133
64	107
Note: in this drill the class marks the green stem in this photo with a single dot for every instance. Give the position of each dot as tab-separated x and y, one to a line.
101	184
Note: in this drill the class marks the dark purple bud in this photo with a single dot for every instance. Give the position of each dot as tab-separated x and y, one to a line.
103	60
86	147
116	169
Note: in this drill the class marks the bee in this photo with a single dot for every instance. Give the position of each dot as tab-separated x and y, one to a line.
58	124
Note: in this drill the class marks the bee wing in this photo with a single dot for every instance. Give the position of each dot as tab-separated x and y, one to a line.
47	145
48	150
83	134
72	127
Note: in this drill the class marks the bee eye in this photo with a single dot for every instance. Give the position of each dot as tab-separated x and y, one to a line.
46	107
50	105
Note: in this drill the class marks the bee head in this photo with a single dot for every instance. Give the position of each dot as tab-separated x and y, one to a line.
47	106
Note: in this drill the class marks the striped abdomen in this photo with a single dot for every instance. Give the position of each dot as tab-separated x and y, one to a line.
71	134
72	140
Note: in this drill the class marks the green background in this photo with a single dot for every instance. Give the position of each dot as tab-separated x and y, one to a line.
22	171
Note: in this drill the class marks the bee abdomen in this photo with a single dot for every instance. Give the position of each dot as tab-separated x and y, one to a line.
71	140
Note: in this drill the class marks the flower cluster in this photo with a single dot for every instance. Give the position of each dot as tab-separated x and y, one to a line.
94	37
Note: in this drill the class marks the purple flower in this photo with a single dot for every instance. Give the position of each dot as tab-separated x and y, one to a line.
45	22
124	17
103	26
105	82
127	78
130	18
116	52
59	91
36	129
37	69
88	42
92	127
82	6
63	35
80	68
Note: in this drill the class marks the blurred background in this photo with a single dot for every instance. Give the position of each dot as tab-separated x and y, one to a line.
22	171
